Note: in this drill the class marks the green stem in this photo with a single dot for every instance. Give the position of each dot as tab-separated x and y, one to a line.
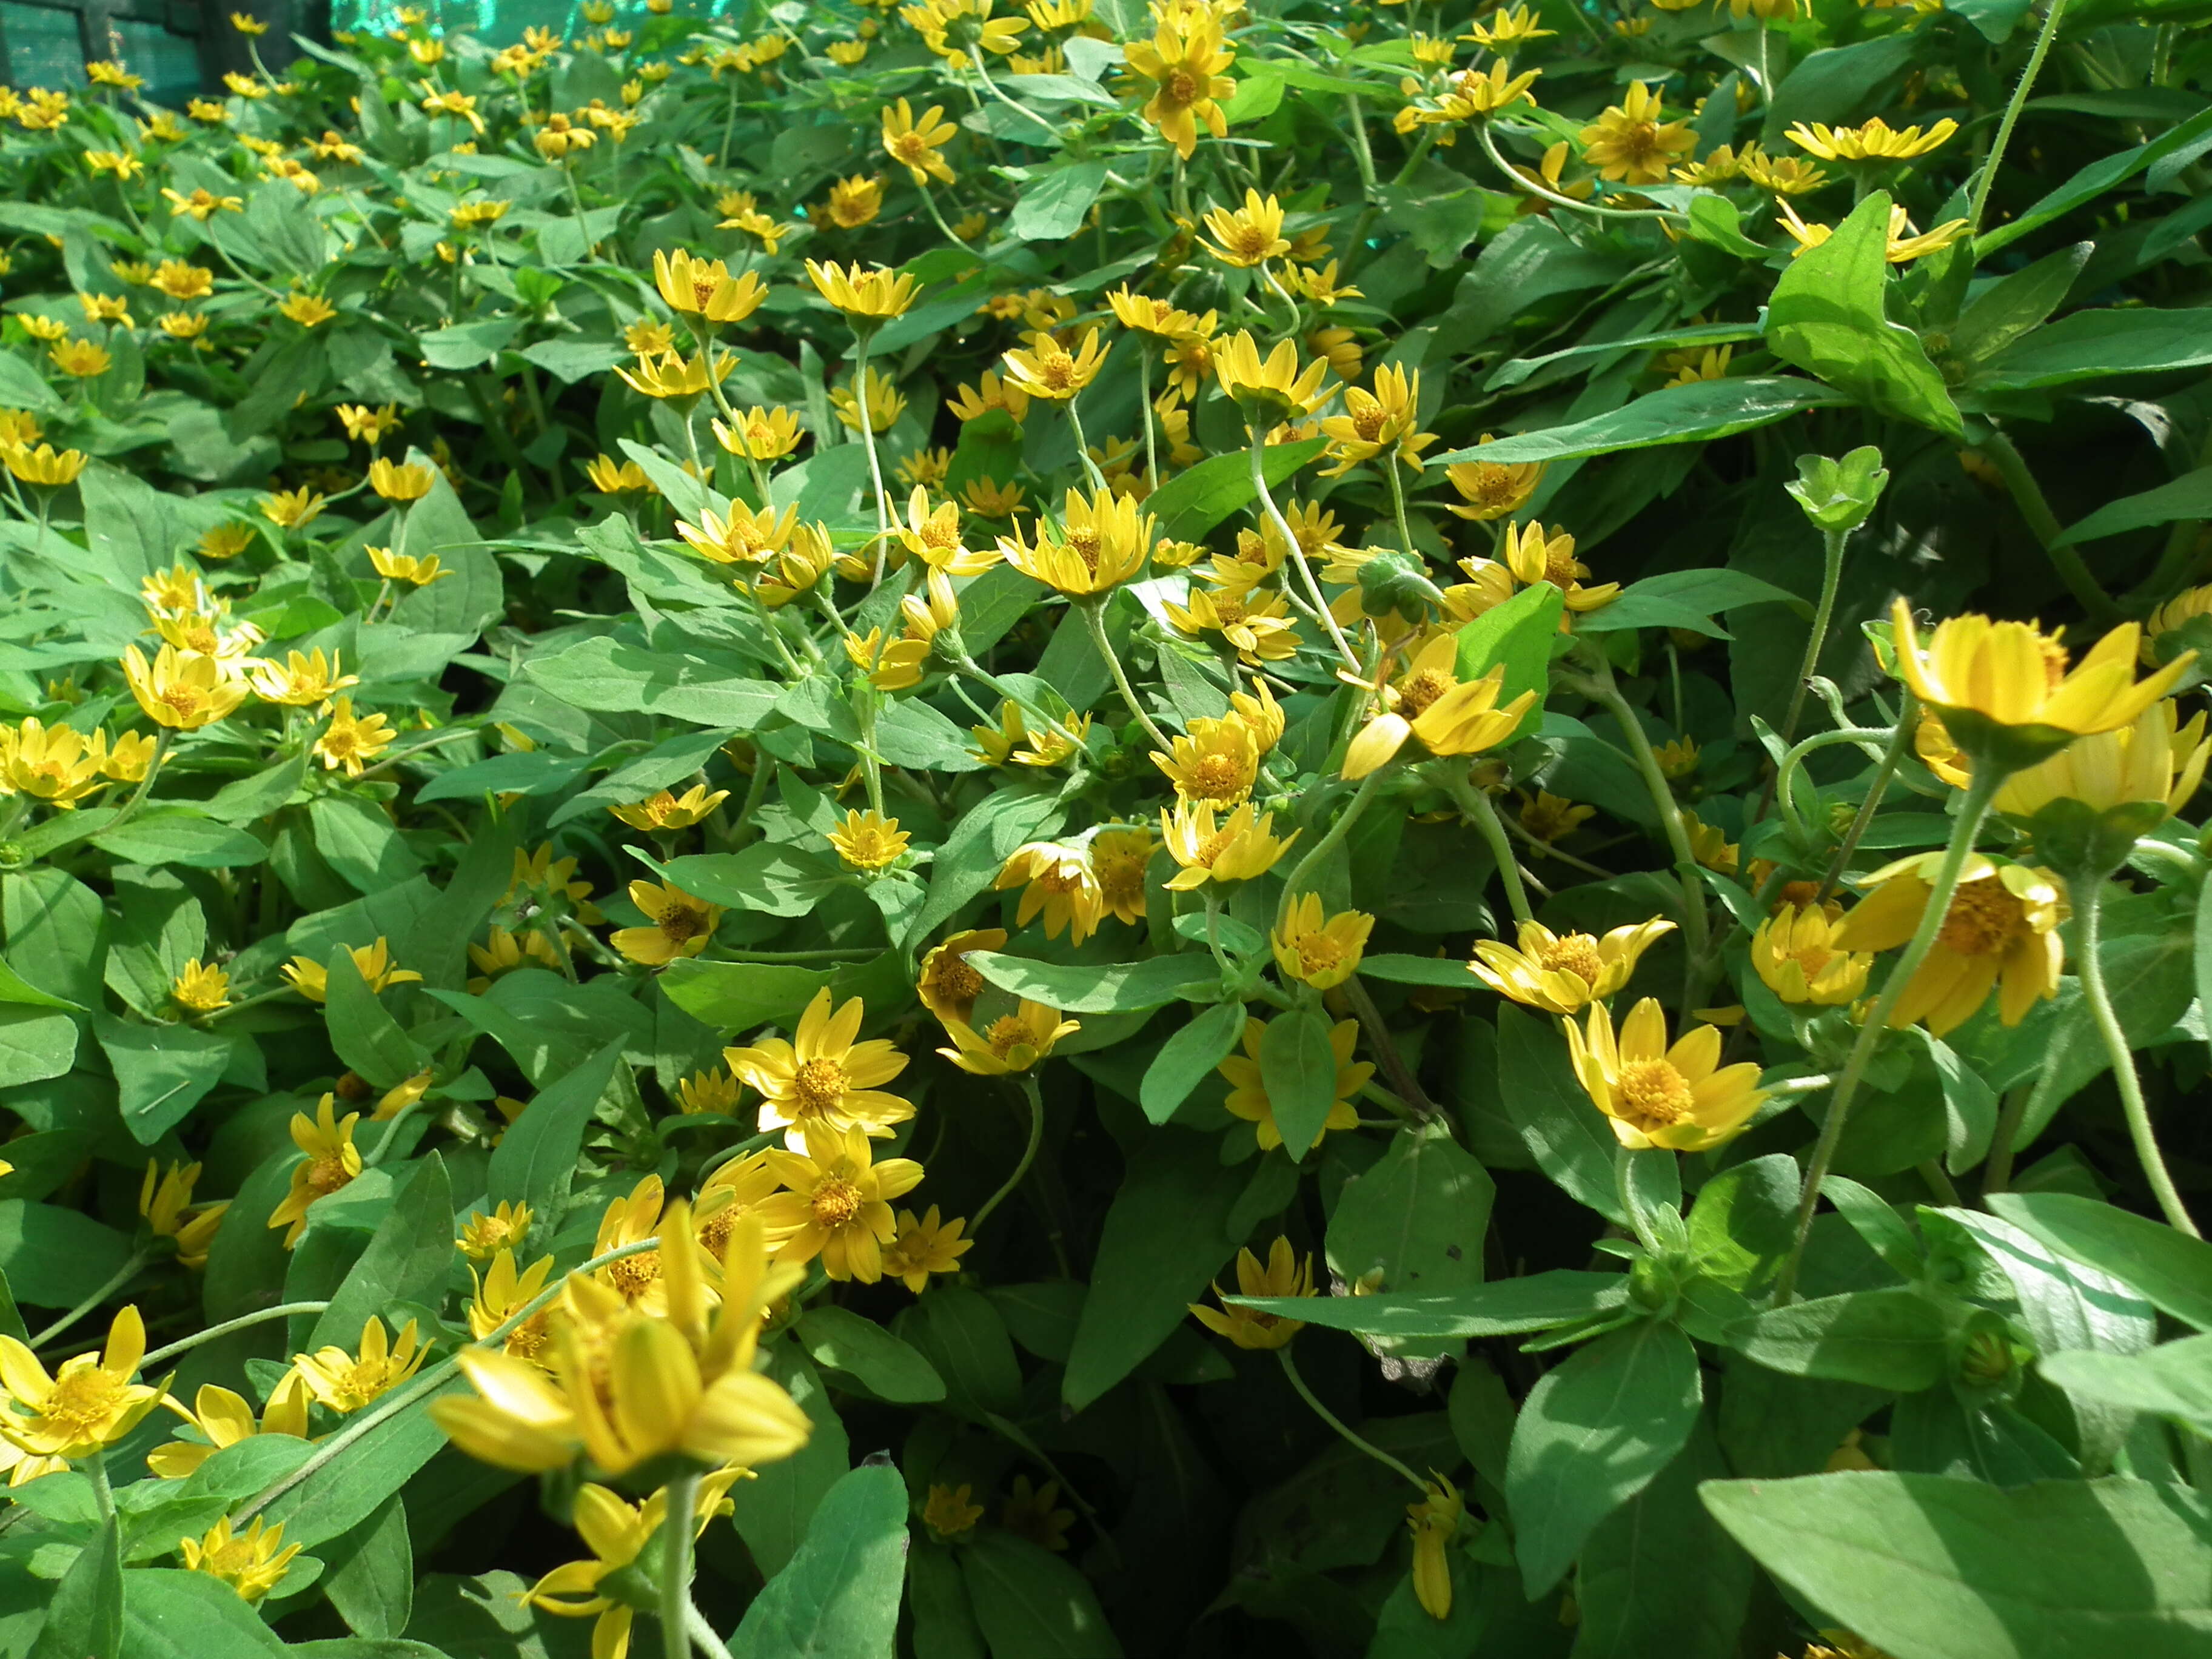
1298	553
1082	447
1793	761
875	465
103	1495
1624	1187
1029	1092
704	1634
1986	782
1328	843
244	1322
1144	394
1402	1080
682	1493
1093	609
163	742
1989	176
1524	181
992	86
128	1271
1663	798
2089	892
1389	460
937	217
2027	495
1298	1382
1908	718
1478	806
1832	573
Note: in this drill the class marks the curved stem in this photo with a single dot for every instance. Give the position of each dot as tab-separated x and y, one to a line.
1480	807
1984	788
2027	495
2042	41
682	1493
1908	717
875	465
1390	458
244	1322
1831	572
1298	1382
1145	396
992	86
1663	798
128	1271
1029	1092
937	217
1298	553
1524	181
1082	447
1093	608
2089	892
702	1633
1793	761
1328	843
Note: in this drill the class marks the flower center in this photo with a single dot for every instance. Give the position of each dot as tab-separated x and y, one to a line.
1318	953
528	1339
1368	422
1984	919
1230	612
1638	141
326	1173
957	982
1083	542
1215	777
680	923
702	289
835	1201
1576	954
1419	690
1653	1095
1561	567
820	1084
1005	1032
83	1400
1121	882
1180	88
634	1275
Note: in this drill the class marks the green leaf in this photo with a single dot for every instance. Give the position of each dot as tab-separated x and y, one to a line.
1519	634
612	676
1672	414
1031	1604
1511	1307
1927	1567
1190	504
2173	1380
1715	221
769	877
1744	1220
34	1046
1419	1214
345	1491
1659	1579
1448	973
838	1597
406	1260
1826	316
1189	1058
1684	598
537	1156
1840	82
364	1035
963	1335
181	835
2173	1272
1298	1070
2092	343
742	996
169	1614
161	1072
84	1619
1115	987
1593	1433
774	1510
2015	304
360	842
369	1574
838	1339
1565	1134
2189	497
1163	1237
1896	1339
1053	208
2091	182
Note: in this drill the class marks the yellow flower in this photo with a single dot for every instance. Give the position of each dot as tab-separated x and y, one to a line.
681	924
501	1292
1874	141
303	678
2149	766
1710	845
202	206
85	1406
1321	953
824	1079
1434	1523
1244	237
1563	972
1533	556
1445	714
2000	934
1184	61
1208	850
855	201
745	537
925	1246
837	1203
761	435
1276	386
663	810
1284	1275
885	401
81	358
308	309
1247	1093
1655	1096
715	1091
671	376
1373	422
486	1233
399	482
2004	691
1058	880
1034	1514
292	509
201	989
373	963
245	23
225	1418
346	1382
1102	543
405	566
331	1161
108	73
949	1512
618	1533
165	1200
1629	143
947	985
1548	817
1508	28
953	28
1011	1043
1903	246
1255	622
869	841
181	689
846	53
914	144
700	288
351	741
1476	94
253	1562
933	534
1796	957
1218	761
1783	175
56	764
468	216
1048	369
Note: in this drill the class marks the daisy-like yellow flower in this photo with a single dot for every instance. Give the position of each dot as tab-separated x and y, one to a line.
245	23
1246	236
224	1419
303	679
129	758
1286	1275
704	288
164	1202
1535	555
950	1512
855	201
824	1080
2005	691
1782	175
1876	141
1564	973
900	664
1629	143
1548	817
1796	955
837	1203
1434	1523
1207	848
760	434
1476	94
674	377
82	359
618	1533
1046	368
2133	778
635	1218
869	841
202	205
1247	1091
1184	61
253	1562
373	963
405	566
1275	387
713	1092
399	480
947	985
681	924
917	145
88	1404
885	401
200	988
1102	542
2000	934
1316	949
926	1245
1903	247
1679	1097
346	1382
292	509
1255	623
663	810
502	1292
1509	27
1009	1044
612	477
351	740
181	689
331	1161
1218	761
503	952
745	536
488	1232
369	426
933	534
1384	419
953	28
1057	881
1149	316
1432	705
308	310
57	764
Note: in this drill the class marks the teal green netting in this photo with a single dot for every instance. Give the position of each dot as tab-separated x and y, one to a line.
501	22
